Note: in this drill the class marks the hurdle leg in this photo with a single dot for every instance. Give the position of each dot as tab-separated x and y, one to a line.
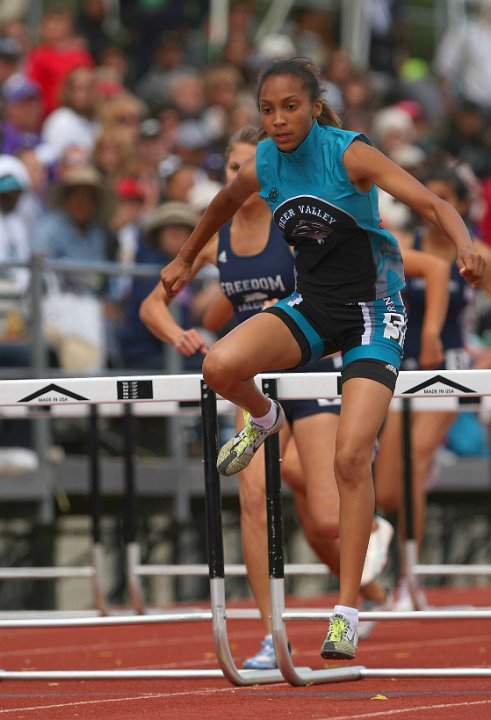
215	551
95	512
132	548
410	549
294	675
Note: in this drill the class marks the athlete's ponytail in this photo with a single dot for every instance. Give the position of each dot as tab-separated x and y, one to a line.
328	116
309	75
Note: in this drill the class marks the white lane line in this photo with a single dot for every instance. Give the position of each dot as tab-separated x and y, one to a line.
414	709
146	696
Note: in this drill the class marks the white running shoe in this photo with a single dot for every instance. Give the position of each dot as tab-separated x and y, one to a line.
238	452
341	641
378	550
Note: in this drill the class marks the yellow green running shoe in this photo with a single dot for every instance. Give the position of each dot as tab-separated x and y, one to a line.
341	641
238	452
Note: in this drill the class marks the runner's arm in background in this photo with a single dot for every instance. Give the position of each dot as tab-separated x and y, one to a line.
436	273
157	317
218	313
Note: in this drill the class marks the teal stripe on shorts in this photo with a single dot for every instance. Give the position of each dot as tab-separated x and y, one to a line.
312	336
386	352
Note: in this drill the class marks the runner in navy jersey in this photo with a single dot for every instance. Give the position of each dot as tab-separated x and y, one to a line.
320	183
429	428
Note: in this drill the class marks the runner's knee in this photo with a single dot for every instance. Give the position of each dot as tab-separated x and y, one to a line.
218	371
320	526
351	464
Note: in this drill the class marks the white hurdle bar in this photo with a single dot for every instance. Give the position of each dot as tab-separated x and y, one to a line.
38	393
135	569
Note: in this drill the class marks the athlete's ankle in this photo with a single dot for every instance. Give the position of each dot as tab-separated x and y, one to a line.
268	420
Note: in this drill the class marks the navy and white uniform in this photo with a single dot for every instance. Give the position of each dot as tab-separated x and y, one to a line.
250	280
349	272
461	297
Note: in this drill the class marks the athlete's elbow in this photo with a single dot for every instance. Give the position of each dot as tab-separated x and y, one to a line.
144	312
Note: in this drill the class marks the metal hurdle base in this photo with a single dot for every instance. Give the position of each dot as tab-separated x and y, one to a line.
222	648
245	677
298	675
109	674
425	672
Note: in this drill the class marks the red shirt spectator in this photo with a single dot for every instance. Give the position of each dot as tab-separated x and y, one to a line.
59	52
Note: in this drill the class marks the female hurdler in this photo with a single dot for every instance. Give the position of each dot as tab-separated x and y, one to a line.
320	183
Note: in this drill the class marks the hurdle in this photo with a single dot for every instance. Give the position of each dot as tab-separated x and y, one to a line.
442	383
135	568
413	567
124	390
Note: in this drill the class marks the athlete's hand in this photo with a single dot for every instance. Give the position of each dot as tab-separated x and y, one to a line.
471	266
269	303
431	351
175	276
190	342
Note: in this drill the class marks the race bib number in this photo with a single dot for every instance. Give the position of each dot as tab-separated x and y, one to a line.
395	327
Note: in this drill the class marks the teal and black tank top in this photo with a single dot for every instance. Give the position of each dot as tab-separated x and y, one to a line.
342	254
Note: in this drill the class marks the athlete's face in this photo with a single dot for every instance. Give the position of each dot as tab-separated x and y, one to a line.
287	111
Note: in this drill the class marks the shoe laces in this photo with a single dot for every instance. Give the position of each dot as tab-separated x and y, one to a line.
337	629
250	433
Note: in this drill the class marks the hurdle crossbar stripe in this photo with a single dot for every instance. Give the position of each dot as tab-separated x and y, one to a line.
186	388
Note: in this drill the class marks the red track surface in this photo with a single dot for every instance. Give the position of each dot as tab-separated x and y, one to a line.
393	644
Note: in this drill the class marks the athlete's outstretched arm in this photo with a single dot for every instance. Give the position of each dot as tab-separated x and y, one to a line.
436	273
223	206
365	165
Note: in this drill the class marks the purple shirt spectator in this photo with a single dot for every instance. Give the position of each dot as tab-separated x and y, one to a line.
23	112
